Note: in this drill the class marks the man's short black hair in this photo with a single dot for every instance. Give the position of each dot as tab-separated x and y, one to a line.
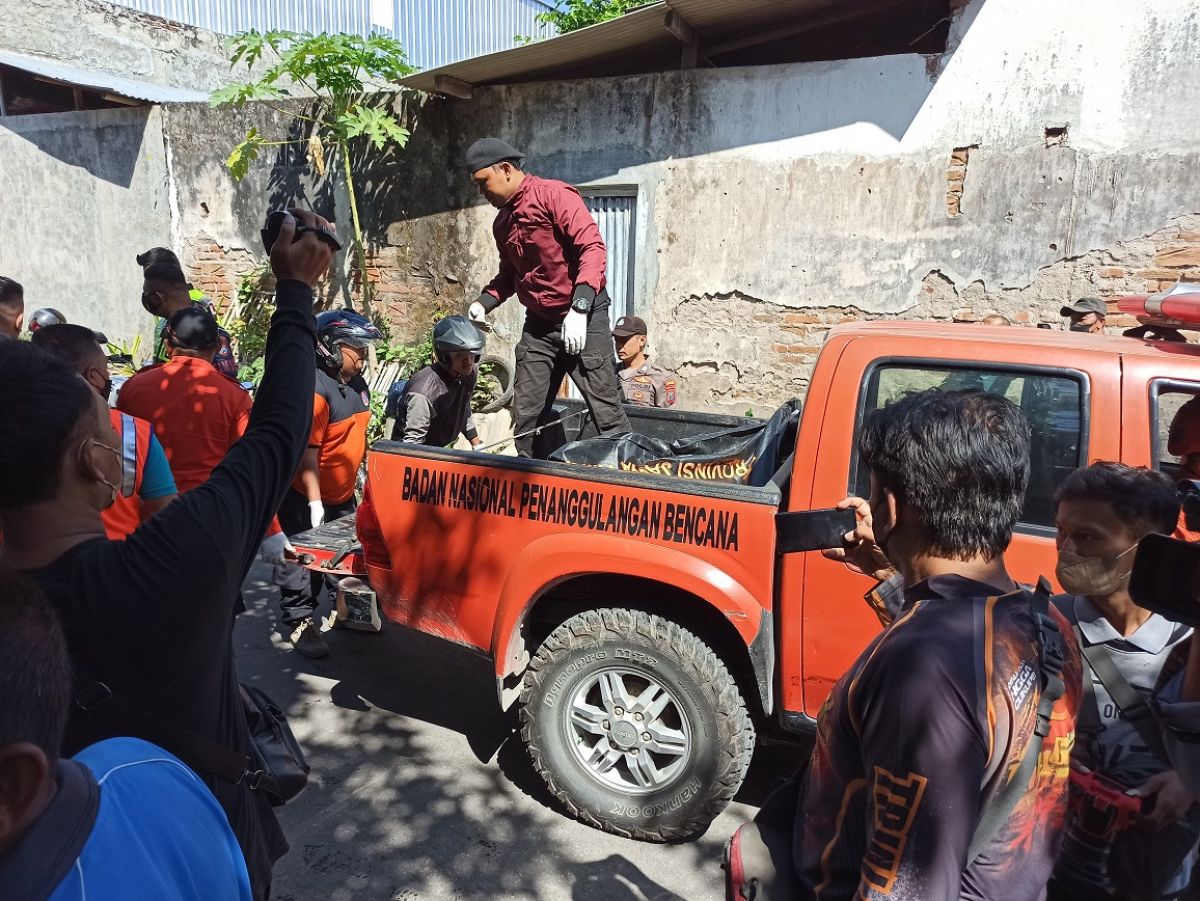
157	255
35	671
11	293
41	408
73	344
166	272
959	460
1144	499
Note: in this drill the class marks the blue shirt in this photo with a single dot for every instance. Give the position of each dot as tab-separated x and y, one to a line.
159	832
157	478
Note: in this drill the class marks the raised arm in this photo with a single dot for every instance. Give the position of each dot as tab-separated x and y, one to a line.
218	526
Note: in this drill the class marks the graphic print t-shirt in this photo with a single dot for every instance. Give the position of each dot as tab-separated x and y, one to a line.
916	739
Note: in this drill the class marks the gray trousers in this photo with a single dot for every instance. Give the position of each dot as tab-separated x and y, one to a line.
542	363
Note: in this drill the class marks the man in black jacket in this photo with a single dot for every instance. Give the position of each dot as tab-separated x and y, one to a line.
436	405
149	617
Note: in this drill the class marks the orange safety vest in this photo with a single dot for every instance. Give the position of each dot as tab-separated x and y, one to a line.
125	514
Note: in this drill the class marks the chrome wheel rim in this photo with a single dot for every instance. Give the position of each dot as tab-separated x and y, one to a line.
628	731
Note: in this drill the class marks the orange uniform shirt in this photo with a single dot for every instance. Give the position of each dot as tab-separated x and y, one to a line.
197	414
341	414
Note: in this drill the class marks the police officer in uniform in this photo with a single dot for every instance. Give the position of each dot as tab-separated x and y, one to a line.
435	407
553	258
642	383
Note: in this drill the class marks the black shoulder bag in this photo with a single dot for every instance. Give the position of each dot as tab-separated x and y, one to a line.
277	768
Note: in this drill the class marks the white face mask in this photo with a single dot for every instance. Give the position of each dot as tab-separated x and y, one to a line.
1095	576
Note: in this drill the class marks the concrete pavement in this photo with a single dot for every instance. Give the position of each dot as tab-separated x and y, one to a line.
421	790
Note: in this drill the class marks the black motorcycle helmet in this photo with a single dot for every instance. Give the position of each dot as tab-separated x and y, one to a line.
454	334
336	328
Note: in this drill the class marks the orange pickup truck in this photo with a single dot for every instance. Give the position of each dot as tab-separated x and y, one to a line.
647	624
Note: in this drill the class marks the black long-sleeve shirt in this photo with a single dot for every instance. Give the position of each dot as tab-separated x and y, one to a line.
151	616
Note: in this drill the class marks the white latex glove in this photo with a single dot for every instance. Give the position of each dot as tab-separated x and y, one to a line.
476	312
274	549
316	513
574	333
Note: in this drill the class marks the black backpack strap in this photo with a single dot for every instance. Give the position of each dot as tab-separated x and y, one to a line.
1052	657
1128	699
201	754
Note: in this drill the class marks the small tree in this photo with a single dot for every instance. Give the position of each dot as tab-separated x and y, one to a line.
571	15
340	72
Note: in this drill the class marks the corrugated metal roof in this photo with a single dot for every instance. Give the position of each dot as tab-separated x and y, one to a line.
100	81
639	41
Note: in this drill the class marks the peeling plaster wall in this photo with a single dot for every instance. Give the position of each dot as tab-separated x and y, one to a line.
101	37
775	201
82	194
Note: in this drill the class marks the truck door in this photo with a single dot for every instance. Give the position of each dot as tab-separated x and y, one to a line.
1074	413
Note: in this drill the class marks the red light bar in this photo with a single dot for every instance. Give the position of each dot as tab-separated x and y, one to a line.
1178	307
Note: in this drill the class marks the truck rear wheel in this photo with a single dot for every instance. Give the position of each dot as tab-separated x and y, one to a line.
635	724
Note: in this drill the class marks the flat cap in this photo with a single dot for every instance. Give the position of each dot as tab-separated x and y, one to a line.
489	151
1086	305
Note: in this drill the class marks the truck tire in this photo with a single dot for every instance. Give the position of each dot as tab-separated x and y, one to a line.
499	371
635	724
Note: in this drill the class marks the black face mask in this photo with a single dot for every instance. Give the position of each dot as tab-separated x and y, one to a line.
106	390
1079	327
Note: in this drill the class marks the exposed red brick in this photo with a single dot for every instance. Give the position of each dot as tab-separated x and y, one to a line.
1156	274
1178	257
1111	272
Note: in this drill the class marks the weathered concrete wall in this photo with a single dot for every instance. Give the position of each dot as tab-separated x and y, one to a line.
101	37
1047	154
82	194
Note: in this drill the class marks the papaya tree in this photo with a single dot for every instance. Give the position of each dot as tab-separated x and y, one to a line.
341	78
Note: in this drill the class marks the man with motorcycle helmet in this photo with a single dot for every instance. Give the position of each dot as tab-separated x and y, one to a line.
435	407
323	489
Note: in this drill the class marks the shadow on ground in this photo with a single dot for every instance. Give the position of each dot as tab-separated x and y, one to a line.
421	789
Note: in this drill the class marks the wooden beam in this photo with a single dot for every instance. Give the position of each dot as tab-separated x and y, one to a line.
680	27
453	87
682	31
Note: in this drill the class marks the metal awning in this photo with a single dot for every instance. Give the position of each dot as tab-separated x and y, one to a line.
675	34
103	82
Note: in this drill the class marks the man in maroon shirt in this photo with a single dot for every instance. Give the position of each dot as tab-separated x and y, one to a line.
553	258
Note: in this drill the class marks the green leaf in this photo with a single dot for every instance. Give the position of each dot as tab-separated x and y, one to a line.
240	94
244	154
376	125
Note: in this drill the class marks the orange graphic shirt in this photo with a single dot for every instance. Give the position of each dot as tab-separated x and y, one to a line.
917	738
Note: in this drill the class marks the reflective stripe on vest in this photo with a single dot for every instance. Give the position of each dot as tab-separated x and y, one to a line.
128	455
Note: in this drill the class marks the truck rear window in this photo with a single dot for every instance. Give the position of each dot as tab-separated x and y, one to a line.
1053	403
1169	399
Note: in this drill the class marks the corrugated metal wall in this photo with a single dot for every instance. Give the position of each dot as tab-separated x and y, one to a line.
232	16
433	32
615	216
436	32
614	213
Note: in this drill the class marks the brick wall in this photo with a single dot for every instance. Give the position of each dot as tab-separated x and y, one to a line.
754	355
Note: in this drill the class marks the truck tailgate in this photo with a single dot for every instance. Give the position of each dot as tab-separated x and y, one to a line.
332	548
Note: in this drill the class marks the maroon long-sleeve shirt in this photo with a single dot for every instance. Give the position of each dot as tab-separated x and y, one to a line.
549	244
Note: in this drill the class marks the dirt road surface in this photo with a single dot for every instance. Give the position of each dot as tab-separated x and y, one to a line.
421	790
